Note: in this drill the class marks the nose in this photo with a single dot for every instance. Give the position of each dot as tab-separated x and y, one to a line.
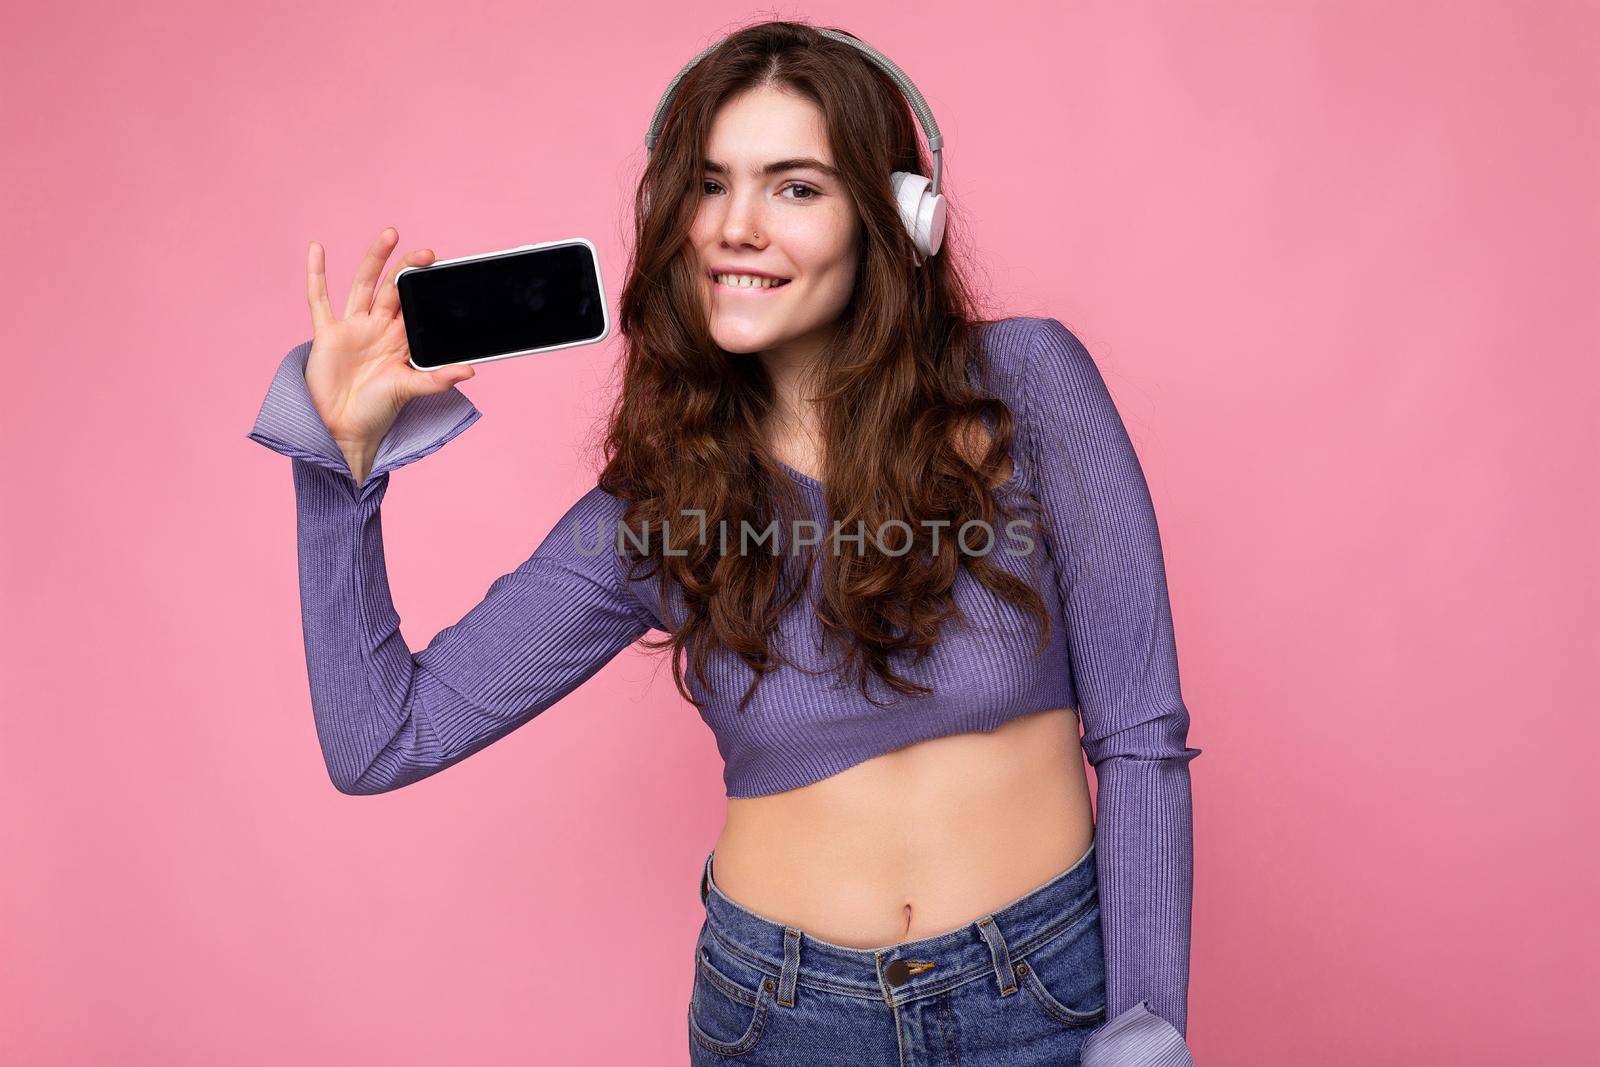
744	220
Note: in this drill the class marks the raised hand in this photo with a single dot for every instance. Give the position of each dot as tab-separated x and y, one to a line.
358	372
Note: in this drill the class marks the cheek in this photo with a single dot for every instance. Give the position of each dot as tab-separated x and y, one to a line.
838	245
821	250
700	230
831	266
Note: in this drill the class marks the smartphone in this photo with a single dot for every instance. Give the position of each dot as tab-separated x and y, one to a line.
495	305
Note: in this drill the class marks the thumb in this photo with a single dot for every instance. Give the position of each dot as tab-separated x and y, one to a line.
427	383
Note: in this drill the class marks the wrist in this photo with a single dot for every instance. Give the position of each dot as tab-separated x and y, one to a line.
359	457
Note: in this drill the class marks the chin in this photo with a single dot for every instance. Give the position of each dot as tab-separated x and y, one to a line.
743	341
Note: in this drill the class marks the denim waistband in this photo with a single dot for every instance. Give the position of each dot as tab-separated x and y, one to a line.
987	946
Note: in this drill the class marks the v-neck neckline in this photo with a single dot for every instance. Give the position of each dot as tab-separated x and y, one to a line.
803	479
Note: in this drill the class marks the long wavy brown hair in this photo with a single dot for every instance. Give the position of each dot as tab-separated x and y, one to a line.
901	420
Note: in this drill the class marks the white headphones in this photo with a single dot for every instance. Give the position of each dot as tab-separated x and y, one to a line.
921	204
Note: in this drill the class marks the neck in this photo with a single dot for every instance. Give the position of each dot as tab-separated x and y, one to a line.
794	425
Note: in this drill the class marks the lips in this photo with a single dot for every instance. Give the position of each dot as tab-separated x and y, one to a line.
728	268
755	289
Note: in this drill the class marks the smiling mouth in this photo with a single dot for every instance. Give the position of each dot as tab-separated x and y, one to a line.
776	284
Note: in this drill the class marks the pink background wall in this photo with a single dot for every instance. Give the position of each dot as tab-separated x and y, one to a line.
1338	263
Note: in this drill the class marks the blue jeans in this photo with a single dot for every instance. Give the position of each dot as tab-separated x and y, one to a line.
1020	986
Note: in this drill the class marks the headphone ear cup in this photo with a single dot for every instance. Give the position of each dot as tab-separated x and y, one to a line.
921	212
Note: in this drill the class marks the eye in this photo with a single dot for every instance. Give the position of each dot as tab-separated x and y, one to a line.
814	194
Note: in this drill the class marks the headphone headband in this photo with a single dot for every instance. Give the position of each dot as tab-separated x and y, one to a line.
930	127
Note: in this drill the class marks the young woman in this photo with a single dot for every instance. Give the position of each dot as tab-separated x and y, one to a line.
910	872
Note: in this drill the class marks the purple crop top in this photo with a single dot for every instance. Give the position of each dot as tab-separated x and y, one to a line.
387	717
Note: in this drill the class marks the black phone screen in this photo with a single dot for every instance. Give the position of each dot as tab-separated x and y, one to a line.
532	298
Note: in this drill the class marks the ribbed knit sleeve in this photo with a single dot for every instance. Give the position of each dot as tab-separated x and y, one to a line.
385	716
1125	669
288	423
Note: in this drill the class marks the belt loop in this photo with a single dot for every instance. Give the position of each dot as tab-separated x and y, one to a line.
791	966
705	879
999	953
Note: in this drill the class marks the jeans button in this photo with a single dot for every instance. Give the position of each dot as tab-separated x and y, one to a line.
898	972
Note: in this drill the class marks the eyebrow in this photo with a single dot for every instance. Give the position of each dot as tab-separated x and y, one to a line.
779	166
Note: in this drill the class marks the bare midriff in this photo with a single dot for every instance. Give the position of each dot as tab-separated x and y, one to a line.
915	842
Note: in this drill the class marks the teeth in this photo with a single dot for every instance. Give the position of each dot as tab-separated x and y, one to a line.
748	281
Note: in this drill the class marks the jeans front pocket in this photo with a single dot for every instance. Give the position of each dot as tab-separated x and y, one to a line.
1065	976
730	999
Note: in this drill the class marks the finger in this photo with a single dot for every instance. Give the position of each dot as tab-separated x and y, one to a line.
388	301
367	274
317	288
428	382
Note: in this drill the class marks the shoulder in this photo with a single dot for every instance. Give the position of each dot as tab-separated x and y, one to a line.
1035	360
1024	346
594	506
